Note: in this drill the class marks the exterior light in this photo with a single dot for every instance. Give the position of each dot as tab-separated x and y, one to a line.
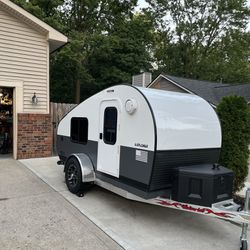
131	106
34	99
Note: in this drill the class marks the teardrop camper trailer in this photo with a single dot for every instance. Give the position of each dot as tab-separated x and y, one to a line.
147	144
135	138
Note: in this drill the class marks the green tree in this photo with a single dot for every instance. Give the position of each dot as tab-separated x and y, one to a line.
229	59
234	115
122	52
46	10
86	22
196	36
114	44
108	43
68	70
96	15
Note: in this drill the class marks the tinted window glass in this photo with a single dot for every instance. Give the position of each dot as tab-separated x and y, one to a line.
79	130
110	125
74	129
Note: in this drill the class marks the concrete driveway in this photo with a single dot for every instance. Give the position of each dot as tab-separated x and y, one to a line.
35	216
136	225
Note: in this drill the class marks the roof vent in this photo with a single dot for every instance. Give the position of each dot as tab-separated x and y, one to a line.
142	80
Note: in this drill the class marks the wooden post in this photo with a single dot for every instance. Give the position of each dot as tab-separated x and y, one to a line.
78	89
57	112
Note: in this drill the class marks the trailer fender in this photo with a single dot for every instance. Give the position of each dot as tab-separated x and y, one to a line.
87	169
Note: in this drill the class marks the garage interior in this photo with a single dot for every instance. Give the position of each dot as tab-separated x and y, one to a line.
6	121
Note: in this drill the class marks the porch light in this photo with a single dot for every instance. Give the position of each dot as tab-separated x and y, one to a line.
34	99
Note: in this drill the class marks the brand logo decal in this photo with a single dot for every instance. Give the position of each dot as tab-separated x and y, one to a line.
141	145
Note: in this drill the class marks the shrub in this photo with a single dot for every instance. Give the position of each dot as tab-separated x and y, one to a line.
234	114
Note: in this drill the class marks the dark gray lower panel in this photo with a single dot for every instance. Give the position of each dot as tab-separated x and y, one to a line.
136	167
135	188
65	147
167	161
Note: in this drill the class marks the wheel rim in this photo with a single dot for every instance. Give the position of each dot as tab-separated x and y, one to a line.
72	175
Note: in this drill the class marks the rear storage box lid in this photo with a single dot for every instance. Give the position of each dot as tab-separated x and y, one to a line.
205	170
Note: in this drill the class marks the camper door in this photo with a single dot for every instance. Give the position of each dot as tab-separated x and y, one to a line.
108	147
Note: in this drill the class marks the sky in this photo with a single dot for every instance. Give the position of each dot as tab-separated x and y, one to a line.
142	4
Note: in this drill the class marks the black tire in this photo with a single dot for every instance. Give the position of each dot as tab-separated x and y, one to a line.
243	245
73	175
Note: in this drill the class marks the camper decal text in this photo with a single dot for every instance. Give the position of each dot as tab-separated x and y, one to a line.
187	207
141	145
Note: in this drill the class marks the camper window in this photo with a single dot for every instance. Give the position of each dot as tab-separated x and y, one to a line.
110	125
79	130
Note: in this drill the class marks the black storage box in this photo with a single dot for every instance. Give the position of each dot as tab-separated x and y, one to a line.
202	184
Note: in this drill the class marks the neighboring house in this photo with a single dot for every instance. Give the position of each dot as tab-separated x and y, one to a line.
212	92
25	46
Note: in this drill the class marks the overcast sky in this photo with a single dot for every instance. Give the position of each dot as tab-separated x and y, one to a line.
142	3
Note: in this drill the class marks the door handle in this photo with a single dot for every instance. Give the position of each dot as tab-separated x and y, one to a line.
100	136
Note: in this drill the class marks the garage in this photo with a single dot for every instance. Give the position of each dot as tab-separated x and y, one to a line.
6	122
25	48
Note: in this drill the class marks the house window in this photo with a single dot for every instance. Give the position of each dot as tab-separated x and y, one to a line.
79	130
110	125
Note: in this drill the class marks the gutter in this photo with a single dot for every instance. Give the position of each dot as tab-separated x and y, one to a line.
61	47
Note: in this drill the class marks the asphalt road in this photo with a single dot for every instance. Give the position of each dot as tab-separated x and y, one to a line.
35	216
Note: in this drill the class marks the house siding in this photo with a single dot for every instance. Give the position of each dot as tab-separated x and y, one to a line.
24	57
164	84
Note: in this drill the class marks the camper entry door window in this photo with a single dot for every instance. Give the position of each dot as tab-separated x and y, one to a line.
110	125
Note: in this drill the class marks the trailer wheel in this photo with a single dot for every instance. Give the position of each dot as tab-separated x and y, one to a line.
243	245
73	175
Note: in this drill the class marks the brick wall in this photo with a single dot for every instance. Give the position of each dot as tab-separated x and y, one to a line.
34	136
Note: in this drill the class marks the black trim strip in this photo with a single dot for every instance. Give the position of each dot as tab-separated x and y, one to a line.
122	179
133	187
190	149
155	129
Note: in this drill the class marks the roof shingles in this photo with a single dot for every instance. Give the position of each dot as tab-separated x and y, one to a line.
213	92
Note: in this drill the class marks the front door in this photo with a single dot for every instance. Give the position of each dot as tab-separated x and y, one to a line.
108	146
